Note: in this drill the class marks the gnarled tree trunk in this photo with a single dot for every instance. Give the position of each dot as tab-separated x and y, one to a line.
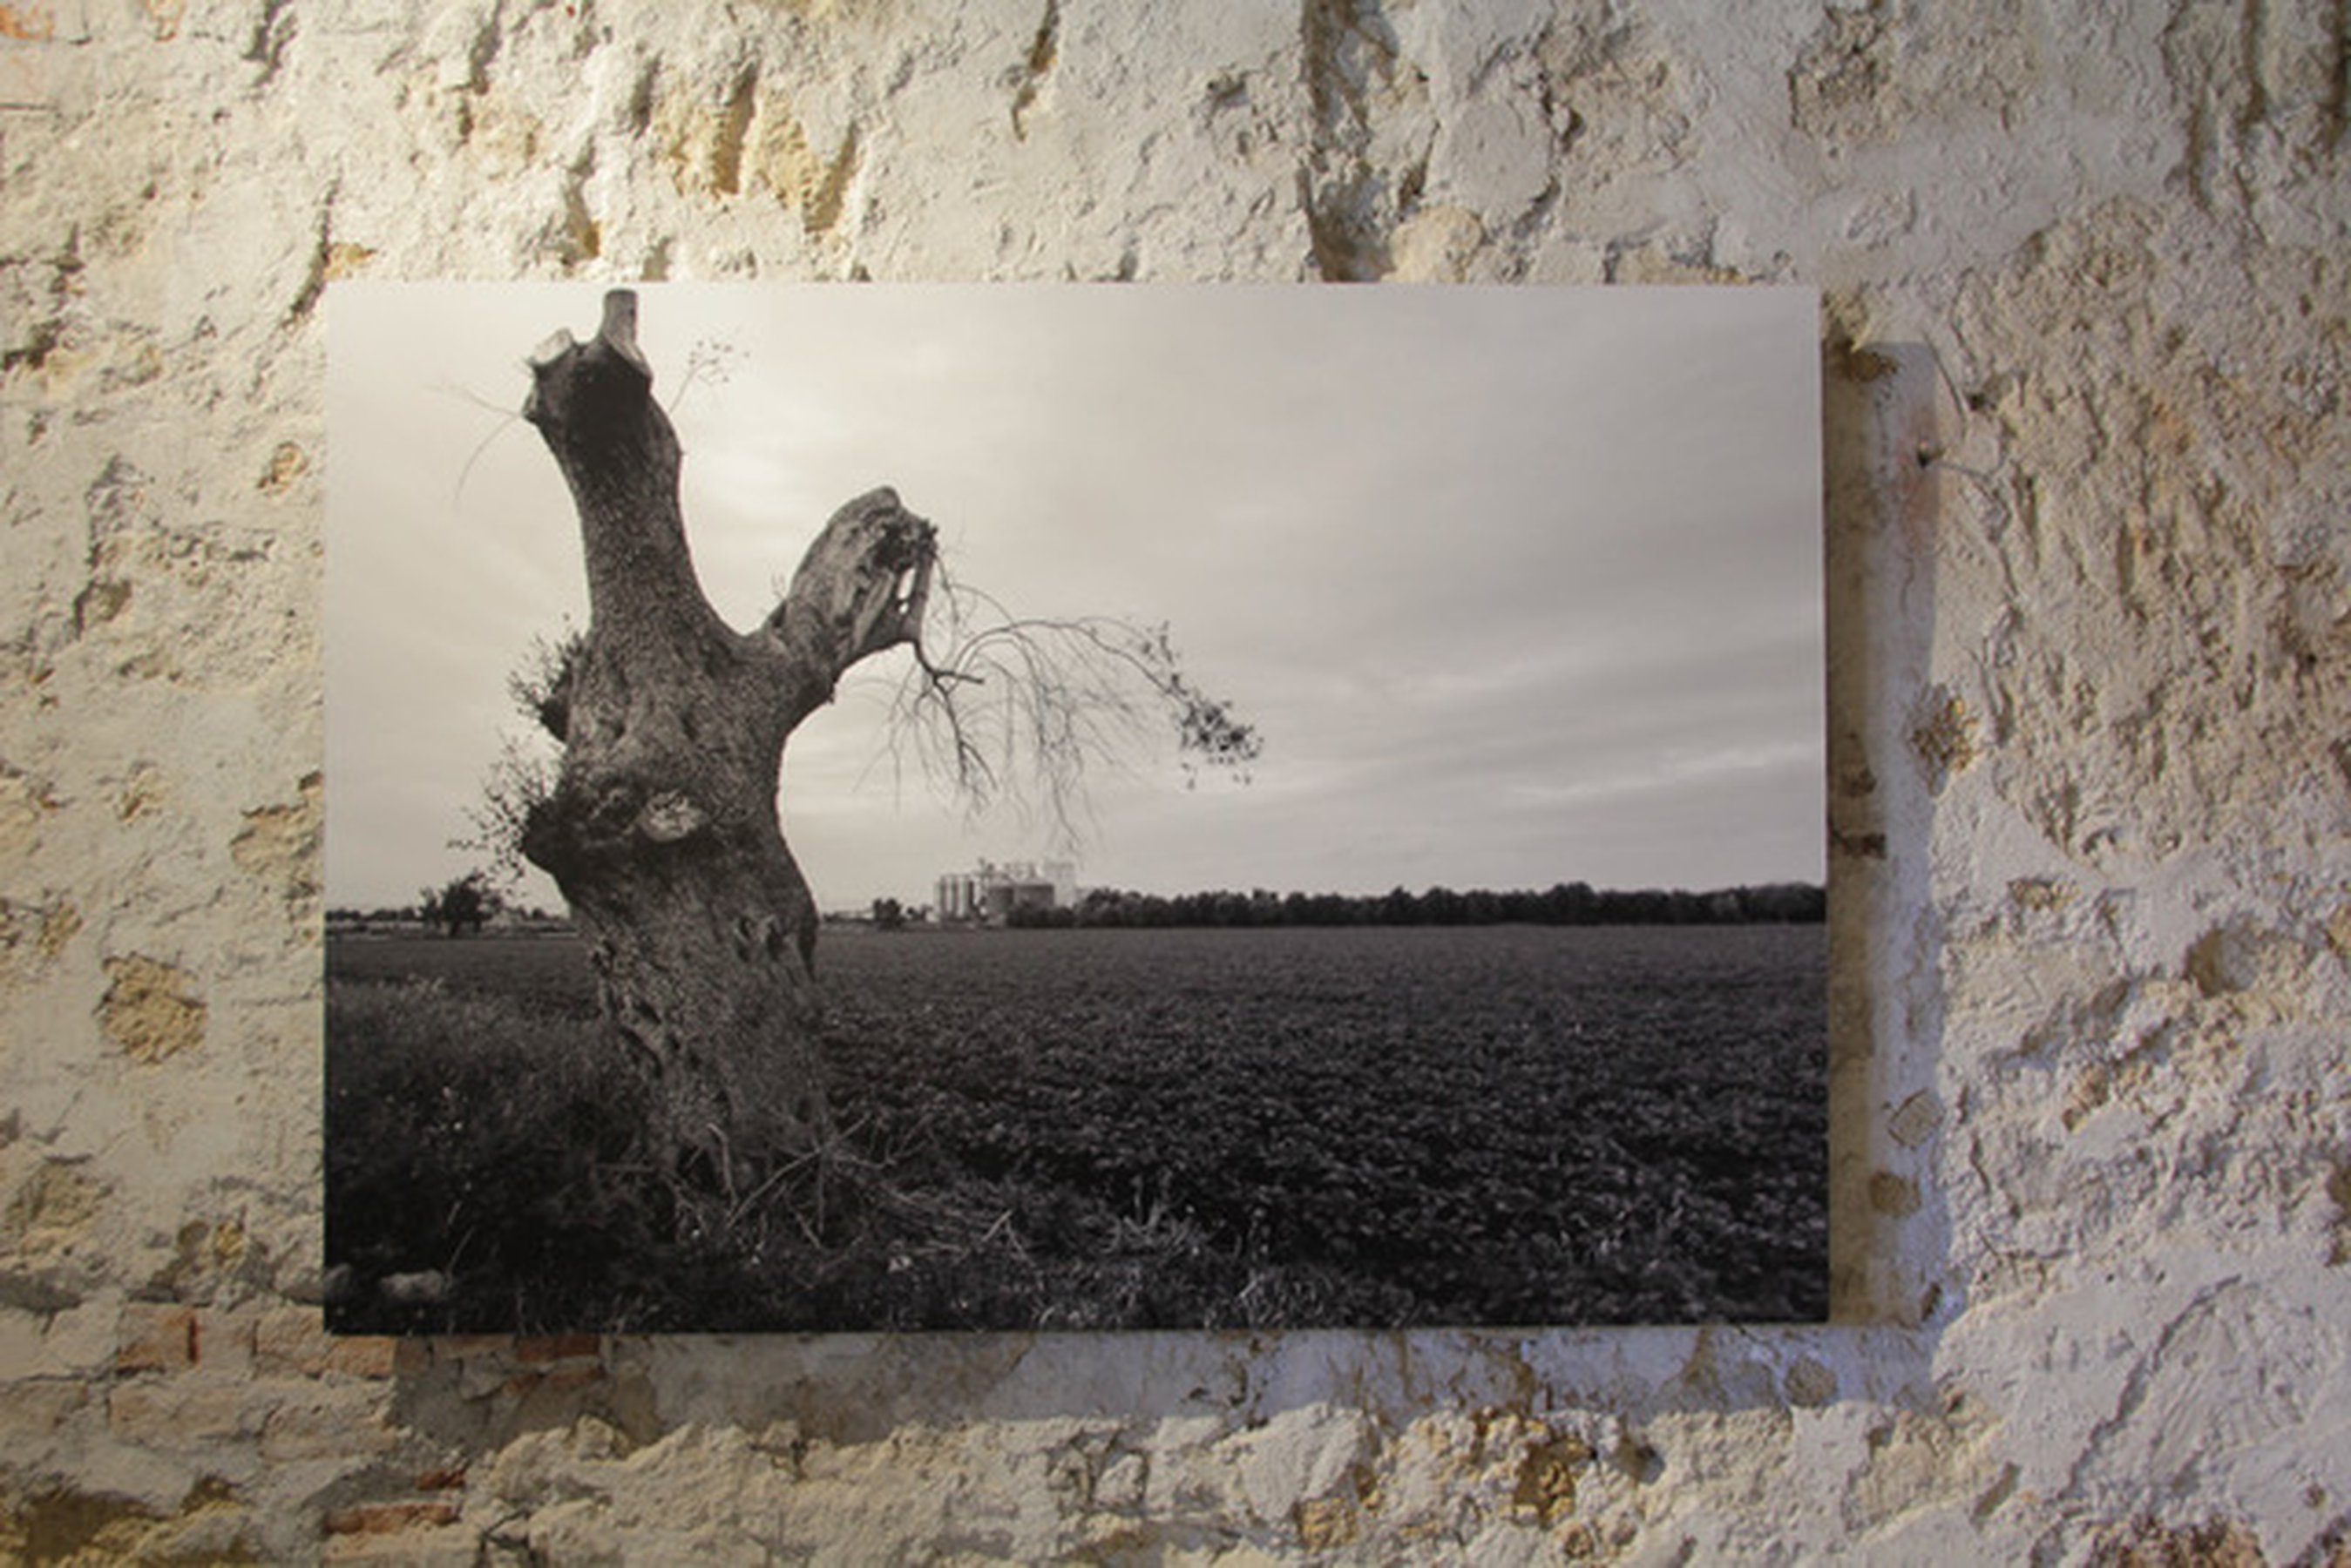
661	829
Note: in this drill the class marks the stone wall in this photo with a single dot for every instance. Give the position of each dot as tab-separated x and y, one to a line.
2086	335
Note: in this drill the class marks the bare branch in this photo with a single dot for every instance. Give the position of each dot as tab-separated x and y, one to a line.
1026	710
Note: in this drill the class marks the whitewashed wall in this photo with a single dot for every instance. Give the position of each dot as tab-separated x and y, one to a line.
2086	339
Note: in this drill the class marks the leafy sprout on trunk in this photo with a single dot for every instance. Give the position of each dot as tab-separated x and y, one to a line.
523	775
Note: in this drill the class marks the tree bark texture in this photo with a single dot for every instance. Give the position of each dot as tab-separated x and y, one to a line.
661	829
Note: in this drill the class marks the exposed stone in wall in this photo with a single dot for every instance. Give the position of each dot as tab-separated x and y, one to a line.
2089	472
150	1009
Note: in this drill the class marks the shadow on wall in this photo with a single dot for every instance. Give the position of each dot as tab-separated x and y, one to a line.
1889	1229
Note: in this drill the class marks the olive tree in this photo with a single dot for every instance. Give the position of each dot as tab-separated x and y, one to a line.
659	821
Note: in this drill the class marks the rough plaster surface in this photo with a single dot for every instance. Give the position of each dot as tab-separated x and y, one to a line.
2086	338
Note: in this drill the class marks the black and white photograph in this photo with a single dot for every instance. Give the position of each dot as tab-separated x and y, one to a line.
892	807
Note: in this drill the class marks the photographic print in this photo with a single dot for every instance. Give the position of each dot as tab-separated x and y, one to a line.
892	807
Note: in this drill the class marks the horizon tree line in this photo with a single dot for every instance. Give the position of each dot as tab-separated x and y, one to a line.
1561	904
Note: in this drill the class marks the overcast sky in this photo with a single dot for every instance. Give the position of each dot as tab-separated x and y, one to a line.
1520	585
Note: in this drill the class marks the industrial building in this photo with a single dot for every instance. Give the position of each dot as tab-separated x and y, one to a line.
989	895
